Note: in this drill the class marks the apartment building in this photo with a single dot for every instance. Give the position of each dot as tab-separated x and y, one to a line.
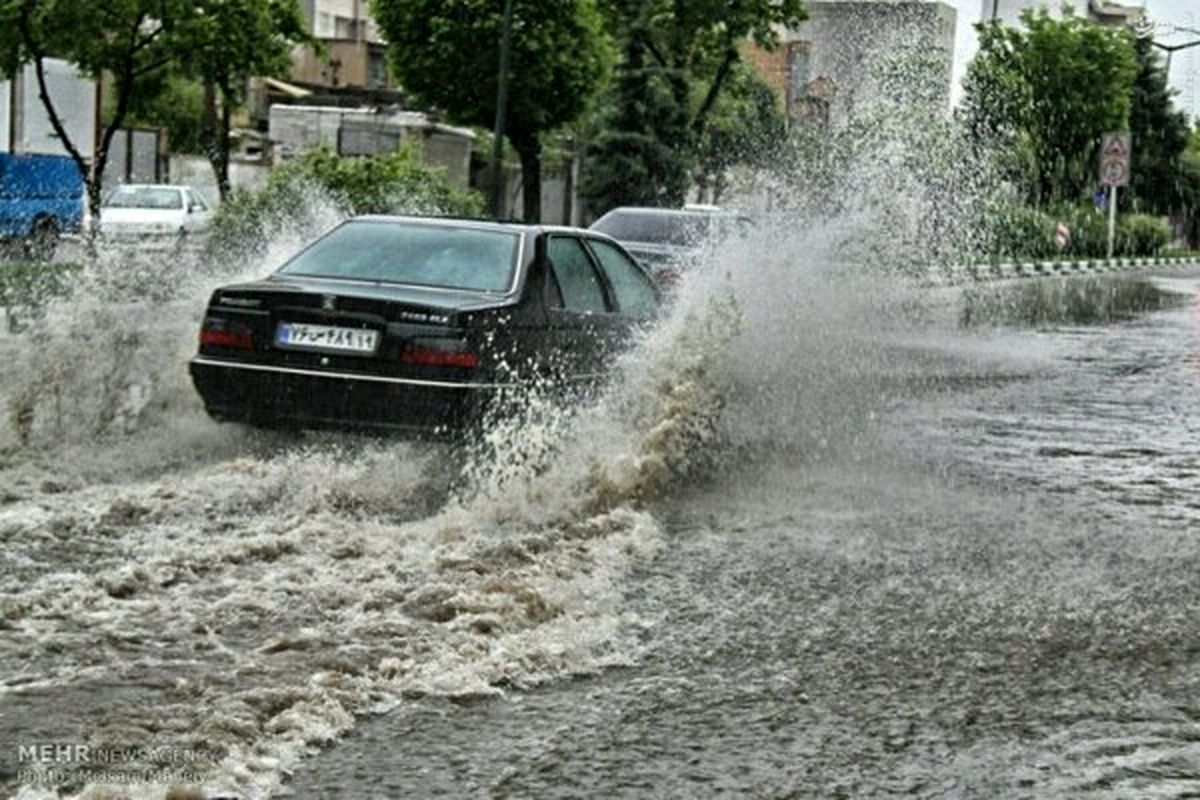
355	56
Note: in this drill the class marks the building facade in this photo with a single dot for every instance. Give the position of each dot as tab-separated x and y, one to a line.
355	56
852	55
1106	13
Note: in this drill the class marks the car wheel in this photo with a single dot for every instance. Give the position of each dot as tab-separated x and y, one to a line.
43	240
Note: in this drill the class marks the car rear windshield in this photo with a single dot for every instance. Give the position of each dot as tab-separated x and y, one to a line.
652	226
445	256
144	197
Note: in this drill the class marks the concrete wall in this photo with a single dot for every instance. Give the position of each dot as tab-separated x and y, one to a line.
358	131
197	172
135	157
557	207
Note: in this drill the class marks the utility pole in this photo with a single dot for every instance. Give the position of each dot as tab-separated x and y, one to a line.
1112	219
501	102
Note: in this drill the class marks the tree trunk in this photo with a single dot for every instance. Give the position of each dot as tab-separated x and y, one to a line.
529	148
216	136
224	146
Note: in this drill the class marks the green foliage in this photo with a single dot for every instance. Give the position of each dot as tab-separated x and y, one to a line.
382	184
637	157
127	41
1191	187
129	38
1159	181
1043	95
173	103
681	101
746	127
1141	235
1020	232
26	286
395	183
446	54
135	44
230	41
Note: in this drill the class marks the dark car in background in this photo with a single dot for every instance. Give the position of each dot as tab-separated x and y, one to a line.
666	240
417	323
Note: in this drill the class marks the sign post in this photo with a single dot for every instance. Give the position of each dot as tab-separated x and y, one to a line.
1114	172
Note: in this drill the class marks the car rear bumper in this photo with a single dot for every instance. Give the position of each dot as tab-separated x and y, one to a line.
272	395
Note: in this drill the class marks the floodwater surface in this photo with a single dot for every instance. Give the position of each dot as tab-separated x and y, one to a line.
831	539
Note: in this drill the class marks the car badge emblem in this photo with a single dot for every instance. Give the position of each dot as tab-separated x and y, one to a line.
328	302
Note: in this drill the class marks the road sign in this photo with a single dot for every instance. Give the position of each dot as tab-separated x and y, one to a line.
1114	159
1062	235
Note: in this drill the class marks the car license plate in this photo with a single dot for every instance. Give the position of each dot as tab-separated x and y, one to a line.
302	336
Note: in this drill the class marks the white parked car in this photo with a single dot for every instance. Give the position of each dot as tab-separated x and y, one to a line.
143	211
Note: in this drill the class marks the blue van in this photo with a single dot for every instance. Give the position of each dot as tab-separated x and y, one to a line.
41	197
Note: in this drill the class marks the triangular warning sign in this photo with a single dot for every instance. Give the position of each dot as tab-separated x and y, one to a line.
1116	147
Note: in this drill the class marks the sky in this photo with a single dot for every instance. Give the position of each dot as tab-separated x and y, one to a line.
1185	64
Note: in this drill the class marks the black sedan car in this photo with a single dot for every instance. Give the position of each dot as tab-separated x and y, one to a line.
417	323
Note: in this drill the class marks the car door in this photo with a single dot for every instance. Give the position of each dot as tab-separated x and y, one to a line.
633	290
578	308
199	216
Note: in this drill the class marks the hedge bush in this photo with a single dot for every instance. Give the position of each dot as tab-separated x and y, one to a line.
301	194
1019	232
1142	235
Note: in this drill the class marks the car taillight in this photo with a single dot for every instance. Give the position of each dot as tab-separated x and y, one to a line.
668	277
217	333
449	353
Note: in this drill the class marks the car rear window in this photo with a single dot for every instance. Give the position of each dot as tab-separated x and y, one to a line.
653	226
413	253
144	197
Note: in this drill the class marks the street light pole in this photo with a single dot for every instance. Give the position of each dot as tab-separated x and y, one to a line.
1147	30
501	102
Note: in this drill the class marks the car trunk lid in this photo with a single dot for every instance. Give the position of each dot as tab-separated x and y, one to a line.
341	326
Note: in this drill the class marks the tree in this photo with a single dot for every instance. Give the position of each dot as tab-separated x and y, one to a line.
1160	137
446	54
699	40
637	155
746	127
1191	188
229	42
1045	93
392	183
127	40
171	102
680	56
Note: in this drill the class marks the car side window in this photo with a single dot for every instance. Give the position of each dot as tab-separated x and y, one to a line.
575	275
551	295
196	202
634	290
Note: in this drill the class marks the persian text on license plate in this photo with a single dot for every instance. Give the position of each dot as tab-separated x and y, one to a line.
326	337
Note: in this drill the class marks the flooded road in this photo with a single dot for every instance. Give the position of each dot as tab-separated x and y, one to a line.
993	594
904	555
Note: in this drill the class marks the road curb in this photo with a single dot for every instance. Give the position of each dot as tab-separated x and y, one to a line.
987	272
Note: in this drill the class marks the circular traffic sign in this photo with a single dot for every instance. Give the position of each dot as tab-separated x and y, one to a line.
1114	173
